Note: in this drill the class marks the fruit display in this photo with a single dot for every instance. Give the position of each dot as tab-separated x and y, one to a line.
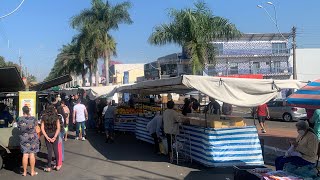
123	110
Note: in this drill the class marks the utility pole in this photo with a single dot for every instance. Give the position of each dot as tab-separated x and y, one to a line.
20	64
294	46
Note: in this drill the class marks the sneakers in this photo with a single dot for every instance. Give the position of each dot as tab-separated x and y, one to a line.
77	138
83	139
263	131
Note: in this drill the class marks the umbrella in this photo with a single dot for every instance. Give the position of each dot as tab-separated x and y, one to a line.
306	97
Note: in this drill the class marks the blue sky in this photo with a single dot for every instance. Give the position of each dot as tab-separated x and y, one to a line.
40	27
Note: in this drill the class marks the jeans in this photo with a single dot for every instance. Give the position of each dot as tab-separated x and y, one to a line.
82	125
295	160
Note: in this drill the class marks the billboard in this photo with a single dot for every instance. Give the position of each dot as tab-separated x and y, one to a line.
28	98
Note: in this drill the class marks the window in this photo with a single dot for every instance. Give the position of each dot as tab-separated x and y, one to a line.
277	67
219	48
279	48
233	68
255	67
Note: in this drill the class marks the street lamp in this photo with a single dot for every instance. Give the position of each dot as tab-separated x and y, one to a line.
274	20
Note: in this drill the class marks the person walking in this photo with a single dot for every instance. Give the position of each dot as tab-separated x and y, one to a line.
50	127
109	116
170	126
80	115
66	111
154	128
263	113
29	141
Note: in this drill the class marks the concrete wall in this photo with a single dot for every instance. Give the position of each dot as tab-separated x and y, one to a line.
308	63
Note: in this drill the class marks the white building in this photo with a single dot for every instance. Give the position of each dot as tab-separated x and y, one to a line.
307	61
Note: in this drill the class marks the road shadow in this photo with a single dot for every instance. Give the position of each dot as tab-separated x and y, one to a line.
125	148
212	173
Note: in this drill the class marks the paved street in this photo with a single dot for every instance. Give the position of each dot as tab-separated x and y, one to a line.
127	158
278	134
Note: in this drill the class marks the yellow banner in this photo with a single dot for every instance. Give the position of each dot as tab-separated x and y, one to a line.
28	98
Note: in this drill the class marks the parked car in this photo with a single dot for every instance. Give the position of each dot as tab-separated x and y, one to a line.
279	110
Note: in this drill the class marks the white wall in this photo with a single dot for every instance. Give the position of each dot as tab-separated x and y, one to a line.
308	63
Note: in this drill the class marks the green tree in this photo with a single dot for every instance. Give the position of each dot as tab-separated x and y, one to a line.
32	78
103	17
194	30
2	61
69	61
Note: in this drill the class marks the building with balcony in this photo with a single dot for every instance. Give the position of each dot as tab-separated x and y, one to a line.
257	53
267	54
172	65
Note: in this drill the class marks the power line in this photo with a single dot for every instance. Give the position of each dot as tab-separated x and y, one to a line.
1	17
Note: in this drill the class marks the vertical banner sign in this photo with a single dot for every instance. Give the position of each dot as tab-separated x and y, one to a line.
126	81
28	98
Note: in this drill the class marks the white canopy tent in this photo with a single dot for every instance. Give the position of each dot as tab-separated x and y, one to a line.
94	92
235	91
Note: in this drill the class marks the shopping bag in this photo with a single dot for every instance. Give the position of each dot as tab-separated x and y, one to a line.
163	146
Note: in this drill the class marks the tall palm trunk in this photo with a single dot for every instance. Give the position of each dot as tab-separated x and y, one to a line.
106	60
90	74
83	76
97	76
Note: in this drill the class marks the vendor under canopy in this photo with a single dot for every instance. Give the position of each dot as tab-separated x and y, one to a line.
303	151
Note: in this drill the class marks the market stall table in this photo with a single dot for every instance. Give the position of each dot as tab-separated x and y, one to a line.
141	130
226	146
125	123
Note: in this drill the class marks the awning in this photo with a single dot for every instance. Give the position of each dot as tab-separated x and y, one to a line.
96	92
306	97
93	92
235	91
10	80
51	83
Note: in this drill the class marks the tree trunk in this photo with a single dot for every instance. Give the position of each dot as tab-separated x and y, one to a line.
83	76
97	76
90	75
106	60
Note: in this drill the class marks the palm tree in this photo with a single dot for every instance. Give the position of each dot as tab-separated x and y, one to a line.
103	17
194	30
69	61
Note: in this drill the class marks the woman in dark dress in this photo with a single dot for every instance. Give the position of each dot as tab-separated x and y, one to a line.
29	141
50	128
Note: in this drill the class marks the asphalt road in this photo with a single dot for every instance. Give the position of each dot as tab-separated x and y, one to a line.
127	158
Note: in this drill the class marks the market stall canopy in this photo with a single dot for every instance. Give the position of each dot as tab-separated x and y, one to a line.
236	91
10	80
306	97
51	83
93	92
96	92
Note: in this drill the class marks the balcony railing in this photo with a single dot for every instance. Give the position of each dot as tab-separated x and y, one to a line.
265	71
252	52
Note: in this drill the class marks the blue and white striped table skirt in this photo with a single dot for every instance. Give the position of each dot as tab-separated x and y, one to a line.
141	130
126	126
225	147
